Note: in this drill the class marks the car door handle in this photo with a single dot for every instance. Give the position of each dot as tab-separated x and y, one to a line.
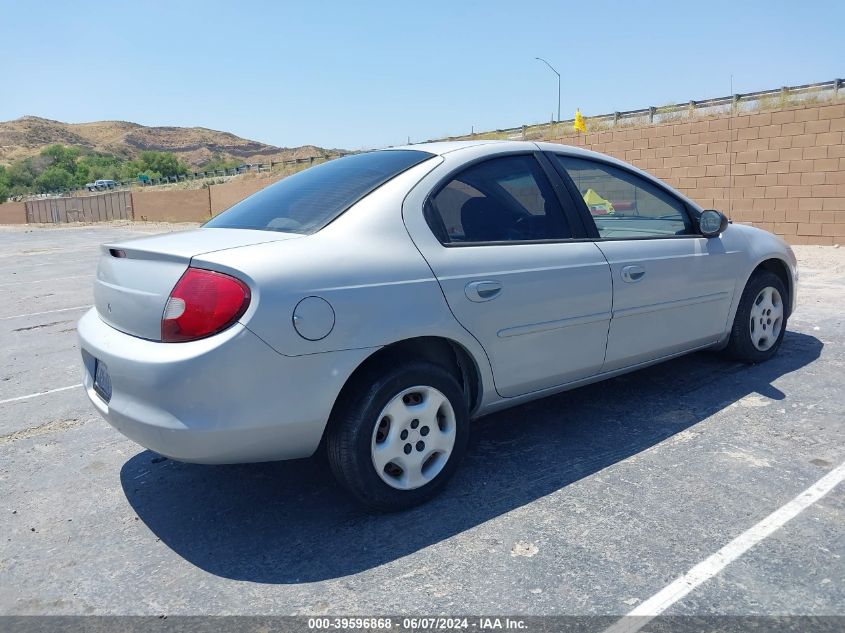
482	290
632	274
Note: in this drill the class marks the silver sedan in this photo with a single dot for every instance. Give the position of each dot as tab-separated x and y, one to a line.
376	303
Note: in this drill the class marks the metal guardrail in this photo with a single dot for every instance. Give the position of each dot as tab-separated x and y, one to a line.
655	114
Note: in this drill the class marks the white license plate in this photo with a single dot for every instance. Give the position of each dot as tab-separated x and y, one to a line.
102	381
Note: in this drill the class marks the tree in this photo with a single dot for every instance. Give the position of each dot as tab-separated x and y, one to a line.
163	164
59	167
61	156
21	174
130	170
96	166
54	179
4	185
83	175
218	162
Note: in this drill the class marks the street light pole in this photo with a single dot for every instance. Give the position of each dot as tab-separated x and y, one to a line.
558	83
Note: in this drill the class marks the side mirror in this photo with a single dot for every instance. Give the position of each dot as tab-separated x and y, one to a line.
712	223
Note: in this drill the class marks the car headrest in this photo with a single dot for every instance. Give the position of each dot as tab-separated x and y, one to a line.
484	220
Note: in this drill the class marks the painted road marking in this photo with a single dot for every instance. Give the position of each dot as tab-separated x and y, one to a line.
48	427
38	281
46	251
712	565
40	393
64	262
31	314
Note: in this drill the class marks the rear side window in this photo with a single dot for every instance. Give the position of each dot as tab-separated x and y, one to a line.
307	201
500	200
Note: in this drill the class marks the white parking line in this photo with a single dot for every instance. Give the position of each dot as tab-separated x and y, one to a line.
40	393
64	262
712	565
46	252
39	281
30	314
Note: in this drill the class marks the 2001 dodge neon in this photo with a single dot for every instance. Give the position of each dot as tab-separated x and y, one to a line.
380	301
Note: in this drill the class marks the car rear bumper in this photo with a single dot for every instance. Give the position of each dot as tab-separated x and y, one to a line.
228	398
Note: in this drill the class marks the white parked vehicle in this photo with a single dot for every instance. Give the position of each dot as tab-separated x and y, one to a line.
380	301
99	185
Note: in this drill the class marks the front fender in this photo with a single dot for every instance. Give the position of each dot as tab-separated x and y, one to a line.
760	247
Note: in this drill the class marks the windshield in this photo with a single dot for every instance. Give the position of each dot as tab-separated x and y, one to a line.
307	201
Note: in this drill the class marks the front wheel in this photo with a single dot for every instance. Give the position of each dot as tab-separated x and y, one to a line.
398	435
760	320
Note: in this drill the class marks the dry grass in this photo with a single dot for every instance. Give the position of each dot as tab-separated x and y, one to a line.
668	113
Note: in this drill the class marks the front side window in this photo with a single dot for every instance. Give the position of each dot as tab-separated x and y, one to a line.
499	200
307	201
622	204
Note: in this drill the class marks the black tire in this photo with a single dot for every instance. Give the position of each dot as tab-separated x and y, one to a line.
350	433
741	346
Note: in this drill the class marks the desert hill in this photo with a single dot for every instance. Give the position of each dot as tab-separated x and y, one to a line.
196	146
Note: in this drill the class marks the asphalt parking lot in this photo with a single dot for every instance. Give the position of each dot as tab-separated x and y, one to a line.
589	502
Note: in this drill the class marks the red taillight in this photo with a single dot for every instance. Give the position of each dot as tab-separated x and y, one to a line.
202	303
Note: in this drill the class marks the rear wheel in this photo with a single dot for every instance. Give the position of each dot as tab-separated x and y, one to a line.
398	435
760	320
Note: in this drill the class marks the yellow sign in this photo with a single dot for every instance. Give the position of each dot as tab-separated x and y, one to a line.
579	125
598	205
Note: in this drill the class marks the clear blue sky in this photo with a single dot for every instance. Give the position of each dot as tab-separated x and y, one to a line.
368	74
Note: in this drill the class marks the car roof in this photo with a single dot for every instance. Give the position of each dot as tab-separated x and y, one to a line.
444	147
440	148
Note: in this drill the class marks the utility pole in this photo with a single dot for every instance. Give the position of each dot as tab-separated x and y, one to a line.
558	82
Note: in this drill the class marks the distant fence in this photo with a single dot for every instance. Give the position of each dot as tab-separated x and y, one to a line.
762	99
116	205
144	205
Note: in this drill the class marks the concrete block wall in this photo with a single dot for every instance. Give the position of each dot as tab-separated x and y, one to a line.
13	213
782	170
224	196
180	205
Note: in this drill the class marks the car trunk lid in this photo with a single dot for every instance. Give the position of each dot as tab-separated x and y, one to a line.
135	277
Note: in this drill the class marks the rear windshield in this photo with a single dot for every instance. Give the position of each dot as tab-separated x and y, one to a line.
307	201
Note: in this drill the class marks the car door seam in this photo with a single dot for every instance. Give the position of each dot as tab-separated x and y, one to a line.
612	304
449	307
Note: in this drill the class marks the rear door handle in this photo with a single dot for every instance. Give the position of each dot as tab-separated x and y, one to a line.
632	274
479	291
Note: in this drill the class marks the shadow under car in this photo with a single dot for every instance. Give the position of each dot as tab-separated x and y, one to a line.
289	522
